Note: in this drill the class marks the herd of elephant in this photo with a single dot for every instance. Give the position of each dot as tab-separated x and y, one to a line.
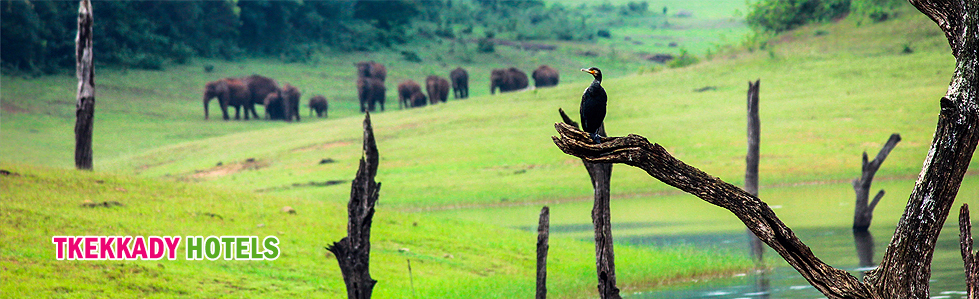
410	92
282	101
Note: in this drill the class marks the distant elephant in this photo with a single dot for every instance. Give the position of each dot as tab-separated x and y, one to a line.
545	76
320	105
371	69
418	99
438	89
275	106
370	91
406	89
229	92
291	95
283	104
460	83
259	87
507	80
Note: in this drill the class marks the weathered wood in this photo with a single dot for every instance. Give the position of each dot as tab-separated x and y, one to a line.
863	211
968	256
754	140
751	163
601	175
353	251
636	151
905	265
85	98
543	228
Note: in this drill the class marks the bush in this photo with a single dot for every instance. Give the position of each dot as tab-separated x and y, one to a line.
486	45
876	10
783	15
684	59
604	33
411	56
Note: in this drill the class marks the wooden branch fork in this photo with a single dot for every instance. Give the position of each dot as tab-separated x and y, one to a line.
634	150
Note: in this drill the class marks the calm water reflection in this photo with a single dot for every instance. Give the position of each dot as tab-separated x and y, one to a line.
838	247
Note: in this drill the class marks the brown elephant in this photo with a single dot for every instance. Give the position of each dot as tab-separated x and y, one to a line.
371	69
545	76
418	99
259	87
507	80
283	104
460	83
438	89
320	105
406	89
371	92
291	94
229	92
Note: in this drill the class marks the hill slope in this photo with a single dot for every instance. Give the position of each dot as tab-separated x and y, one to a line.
449	259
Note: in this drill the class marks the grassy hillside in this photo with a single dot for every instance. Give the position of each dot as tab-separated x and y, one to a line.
828	93
450	259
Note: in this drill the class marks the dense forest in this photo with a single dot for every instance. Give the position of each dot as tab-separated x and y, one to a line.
39	35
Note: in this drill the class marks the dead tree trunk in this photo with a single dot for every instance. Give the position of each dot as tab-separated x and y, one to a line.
863	212
542	234
601	175
85	98
353	251
751	162
968	256
906	265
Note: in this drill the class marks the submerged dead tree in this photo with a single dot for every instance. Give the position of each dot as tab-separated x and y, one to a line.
543	229
905	268
863	212
85	99
353	251
601	176
752	159
968	256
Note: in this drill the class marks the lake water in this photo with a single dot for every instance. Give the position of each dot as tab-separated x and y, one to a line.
819	214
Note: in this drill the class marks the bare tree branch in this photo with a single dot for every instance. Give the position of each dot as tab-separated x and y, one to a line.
636	151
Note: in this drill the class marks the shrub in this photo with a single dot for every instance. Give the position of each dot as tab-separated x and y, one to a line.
684	59
486	45
783	15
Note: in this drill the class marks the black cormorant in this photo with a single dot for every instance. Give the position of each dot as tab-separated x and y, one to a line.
592	108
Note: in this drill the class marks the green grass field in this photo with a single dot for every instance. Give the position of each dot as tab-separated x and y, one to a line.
828	93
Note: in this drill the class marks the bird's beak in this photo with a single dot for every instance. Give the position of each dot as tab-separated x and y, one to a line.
588	71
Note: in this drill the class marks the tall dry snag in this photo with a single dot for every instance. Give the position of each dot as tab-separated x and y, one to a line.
905	269
353	251
85	98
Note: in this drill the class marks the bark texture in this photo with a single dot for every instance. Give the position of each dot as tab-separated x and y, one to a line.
85	99
968	256
863	211
906	264
601	176
543	228
353	251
